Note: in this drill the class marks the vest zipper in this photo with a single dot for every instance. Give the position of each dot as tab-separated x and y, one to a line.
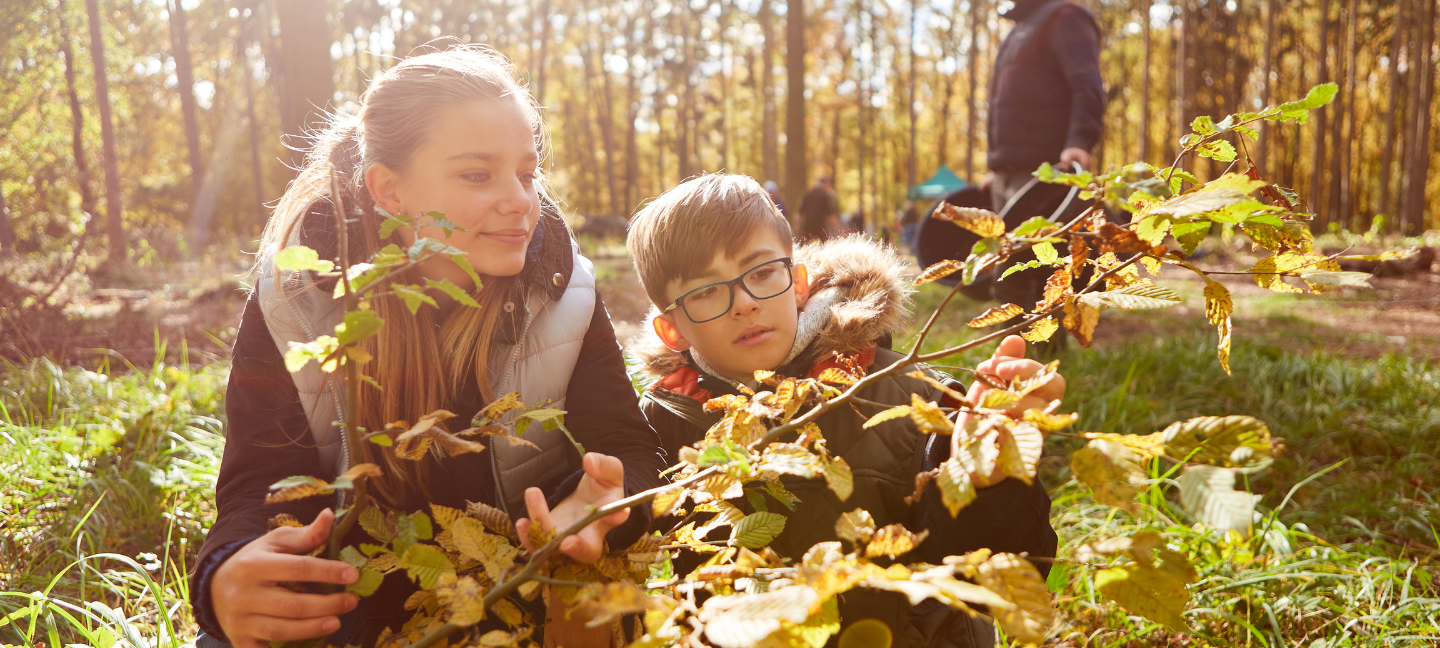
345	459
505	384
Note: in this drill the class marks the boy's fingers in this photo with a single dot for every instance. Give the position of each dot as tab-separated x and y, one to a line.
1012	346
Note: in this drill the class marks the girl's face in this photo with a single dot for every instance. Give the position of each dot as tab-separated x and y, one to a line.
478	167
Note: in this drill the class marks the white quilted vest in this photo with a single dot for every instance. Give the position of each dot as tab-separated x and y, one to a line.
538	367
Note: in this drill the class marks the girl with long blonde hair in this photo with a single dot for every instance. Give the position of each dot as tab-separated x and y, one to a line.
450	132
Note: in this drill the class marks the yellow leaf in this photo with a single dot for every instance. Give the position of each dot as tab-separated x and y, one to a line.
507	403
665	502
493	551
1020	454
893	540
927	416
949	391
1147	446
857	526
284	520
985	223
1014	579
1152	264
1230	441
465	601
1218	307
494	519
956	489
1049	422
1126	277
837	376
1112	471
939	271
996	315
1056	288
603	603
511	615
294	488
1080	320
445	515
892	413
839	477
745	620
1041	330
1156	593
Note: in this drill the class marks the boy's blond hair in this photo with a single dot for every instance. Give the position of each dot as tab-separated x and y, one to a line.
675	237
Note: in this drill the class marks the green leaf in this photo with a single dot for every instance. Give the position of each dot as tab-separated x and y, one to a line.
413	296
1152	229
1045	253
392	222
1219	149
757	529
382	440
299	257
1203	125
423	245
369	582
1299	111
1034	224
1045	173
437	219
1200	202
1134	297
1208	493
1191	234
455	292
464	263
301	353
1020	266
352	556
721	454
1179	176
358	326
425	564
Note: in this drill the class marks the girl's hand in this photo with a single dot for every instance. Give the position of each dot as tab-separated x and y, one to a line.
603	483
1007	364
251	606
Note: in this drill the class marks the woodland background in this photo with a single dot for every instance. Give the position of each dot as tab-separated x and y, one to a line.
167	125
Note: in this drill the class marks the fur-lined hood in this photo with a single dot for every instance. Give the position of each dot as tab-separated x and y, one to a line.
873	300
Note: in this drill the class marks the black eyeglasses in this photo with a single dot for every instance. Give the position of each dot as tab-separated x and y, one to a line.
712	301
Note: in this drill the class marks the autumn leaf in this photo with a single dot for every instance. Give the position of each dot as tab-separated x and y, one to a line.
836	376
1041	330
856	526
492	551
1140	296
983	222
939	271
465	600
956	489
425	564
757	529
927	416
1056	288
1049	422
1238	441
839	477
494	519
295	488
893	540
1111	471
995	315
1020	454
1218	307
1014	579
1080	320
889	414
1208	493
1079	254
498	408
744	620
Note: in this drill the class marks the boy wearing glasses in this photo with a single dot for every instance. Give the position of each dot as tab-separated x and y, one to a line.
735	297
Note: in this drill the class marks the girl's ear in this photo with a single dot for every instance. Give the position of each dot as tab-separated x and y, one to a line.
802	285
669	334
381	182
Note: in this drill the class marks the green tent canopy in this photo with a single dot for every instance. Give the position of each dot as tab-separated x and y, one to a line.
943	182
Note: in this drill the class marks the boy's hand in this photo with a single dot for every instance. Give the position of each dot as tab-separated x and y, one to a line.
603	483
1009	363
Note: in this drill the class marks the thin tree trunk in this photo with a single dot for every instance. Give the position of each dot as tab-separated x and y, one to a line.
1317	151
1343	65
727	69
1413	207
1145	83
795	152
632	111
539	89
185	82
1266	68
257	170
947	50
77	121
309	73
114	220
1182	96
862	98
1354	129
972	129
7	233
769	139
1387	152
684	111
910	171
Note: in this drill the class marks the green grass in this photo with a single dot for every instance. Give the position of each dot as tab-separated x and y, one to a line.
1346	551
107	482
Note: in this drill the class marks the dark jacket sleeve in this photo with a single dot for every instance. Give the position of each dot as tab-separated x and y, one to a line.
603	413
267	439
1076	44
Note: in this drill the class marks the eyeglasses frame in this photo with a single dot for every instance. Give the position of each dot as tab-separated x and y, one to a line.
730	284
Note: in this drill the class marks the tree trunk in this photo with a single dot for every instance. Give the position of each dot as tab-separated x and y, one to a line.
1266	67
7	234
309	76
1354	130
862	96
539	89
769	139
185	84
947	50
795	153
1182	95
1418	166
977	16
257	170
1317	150
77	121
1387	152
1145	83
114	222
632	111
910	172
1338	141
727	69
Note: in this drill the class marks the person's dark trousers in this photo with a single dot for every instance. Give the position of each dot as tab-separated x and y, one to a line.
1026	287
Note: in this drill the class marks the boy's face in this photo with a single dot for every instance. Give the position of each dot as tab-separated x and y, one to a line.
753	334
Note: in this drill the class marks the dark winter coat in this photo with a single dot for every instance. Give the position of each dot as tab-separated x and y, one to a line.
268	439
1009	516
1046	94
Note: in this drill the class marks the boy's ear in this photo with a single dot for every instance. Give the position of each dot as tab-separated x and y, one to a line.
802	284
665	328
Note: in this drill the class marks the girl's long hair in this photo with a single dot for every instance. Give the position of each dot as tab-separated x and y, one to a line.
416	375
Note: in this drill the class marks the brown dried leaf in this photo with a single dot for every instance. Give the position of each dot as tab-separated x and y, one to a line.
939	271
893	540
1080	320
283	520
1056	288
983	222
494	519
836	376
1079	254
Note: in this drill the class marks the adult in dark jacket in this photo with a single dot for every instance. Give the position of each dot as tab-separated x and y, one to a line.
470	152
1047	104
858	297
819	212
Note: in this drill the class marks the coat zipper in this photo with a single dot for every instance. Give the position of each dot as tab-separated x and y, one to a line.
509	373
